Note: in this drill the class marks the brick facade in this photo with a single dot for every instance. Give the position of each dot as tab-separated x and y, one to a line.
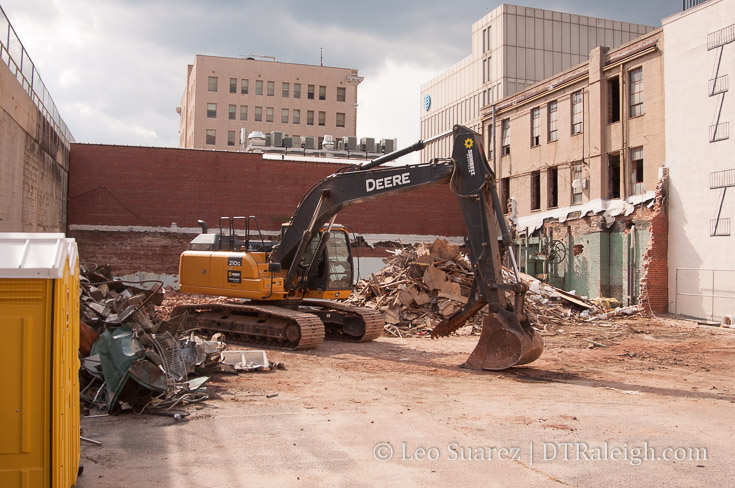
150	199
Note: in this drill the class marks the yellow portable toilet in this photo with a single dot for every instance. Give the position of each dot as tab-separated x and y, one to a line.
39	360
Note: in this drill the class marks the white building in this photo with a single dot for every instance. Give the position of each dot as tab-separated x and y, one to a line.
513	47
699	58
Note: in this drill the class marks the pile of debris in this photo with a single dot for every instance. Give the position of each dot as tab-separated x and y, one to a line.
423	284
133	359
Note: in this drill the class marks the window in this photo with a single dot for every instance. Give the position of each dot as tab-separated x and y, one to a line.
535	127
535	190
636	92
296	116
233	85
505	187
577	182
310	92
310	117
211	110
322	118
340	119
577	116
613	100
636	168
505	136
243	112
212	84
552	186
552	122
284	116
271	88
244	86
322	92
230	137
232	112
258	87
285	89
259	114
269	114
211	137
613	173
297	90
341	94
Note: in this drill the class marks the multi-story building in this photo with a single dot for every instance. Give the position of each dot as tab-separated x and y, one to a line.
575	156
513	47
699	59
227	97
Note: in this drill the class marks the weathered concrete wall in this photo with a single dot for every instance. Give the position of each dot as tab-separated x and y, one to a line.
34	164
699	58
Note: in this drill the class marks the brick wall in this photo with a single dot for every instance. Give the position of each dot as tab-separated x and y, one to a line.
157	187
655	274
143	191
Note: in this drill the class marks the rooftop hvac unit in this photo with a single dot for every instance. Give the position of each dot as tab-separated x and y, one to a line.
287	142
276	138
350	143
328	142
256	138
268	140
340	145
307	142
388	145
367	144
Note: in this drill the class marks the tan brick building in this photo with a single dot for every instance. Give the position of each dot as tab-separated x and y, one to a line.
584	144
225	97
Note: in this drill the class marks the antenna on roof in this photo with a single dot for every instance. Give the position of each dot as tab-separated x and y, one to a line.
321	55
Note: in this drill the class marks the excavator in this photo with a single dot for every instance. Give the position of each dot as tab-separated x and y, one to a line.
289	290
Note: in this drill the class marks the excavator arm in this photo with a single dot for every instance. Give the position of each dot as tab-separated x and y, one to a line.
507	338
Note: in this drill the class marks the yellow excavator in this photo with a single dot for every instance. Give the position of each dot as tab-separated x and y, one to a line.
289	290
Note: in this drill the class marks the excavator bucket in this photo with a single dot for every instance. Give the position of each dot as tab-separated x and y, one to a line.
505	342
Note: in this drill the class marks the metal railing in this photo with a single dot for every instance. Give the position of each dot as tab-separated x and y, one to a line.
694	282
15	56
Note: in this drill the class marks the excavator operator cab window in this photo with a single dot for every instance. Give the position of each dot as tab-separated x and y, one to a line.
333	269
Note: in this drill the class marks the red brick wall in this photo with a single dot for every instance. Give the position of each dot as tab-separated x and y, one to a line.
655	279
143	186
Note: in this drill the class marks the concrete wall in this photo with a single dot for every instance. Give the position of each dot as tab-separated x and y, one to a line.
701	266
137	207
34	164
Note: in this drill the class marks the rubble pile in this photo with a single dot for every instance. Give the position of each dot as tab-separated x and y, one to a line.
133	359
423	284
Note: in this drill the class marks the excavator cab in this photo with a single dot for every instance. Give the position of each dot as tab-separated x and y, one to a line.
332	270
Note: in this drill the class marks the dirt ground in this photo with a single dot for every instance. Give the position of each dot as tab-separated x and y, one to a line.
651	405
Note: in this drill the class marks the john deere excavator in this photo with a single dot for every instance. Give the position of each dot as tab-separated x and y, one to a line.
290	287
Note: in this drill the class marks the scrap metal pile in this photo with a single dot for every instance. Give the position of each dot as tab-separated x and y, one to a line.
423	284
132	359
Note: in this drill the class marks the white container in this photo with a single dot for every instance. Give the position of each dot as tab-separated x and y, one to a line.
245	360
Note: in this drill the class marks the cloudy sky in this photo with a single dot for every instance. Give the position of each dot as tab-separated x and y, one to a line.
116	68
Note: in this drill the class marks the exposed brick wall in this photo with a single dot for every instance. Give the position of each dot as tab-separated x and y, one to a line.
655	275
142	186
155	187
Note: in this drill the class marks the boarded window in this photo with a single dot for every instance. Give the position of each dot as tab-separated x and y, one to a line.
613	100
535	190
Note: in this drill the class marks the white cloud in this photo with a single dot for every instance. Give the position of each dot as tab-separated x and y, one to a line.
390	103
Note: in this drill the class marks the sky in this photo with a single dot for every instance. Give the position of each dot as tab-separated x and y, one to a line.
117	68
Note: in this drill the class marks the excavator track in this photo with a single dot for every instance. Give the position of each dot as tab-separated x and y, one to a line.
355	324
256	324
